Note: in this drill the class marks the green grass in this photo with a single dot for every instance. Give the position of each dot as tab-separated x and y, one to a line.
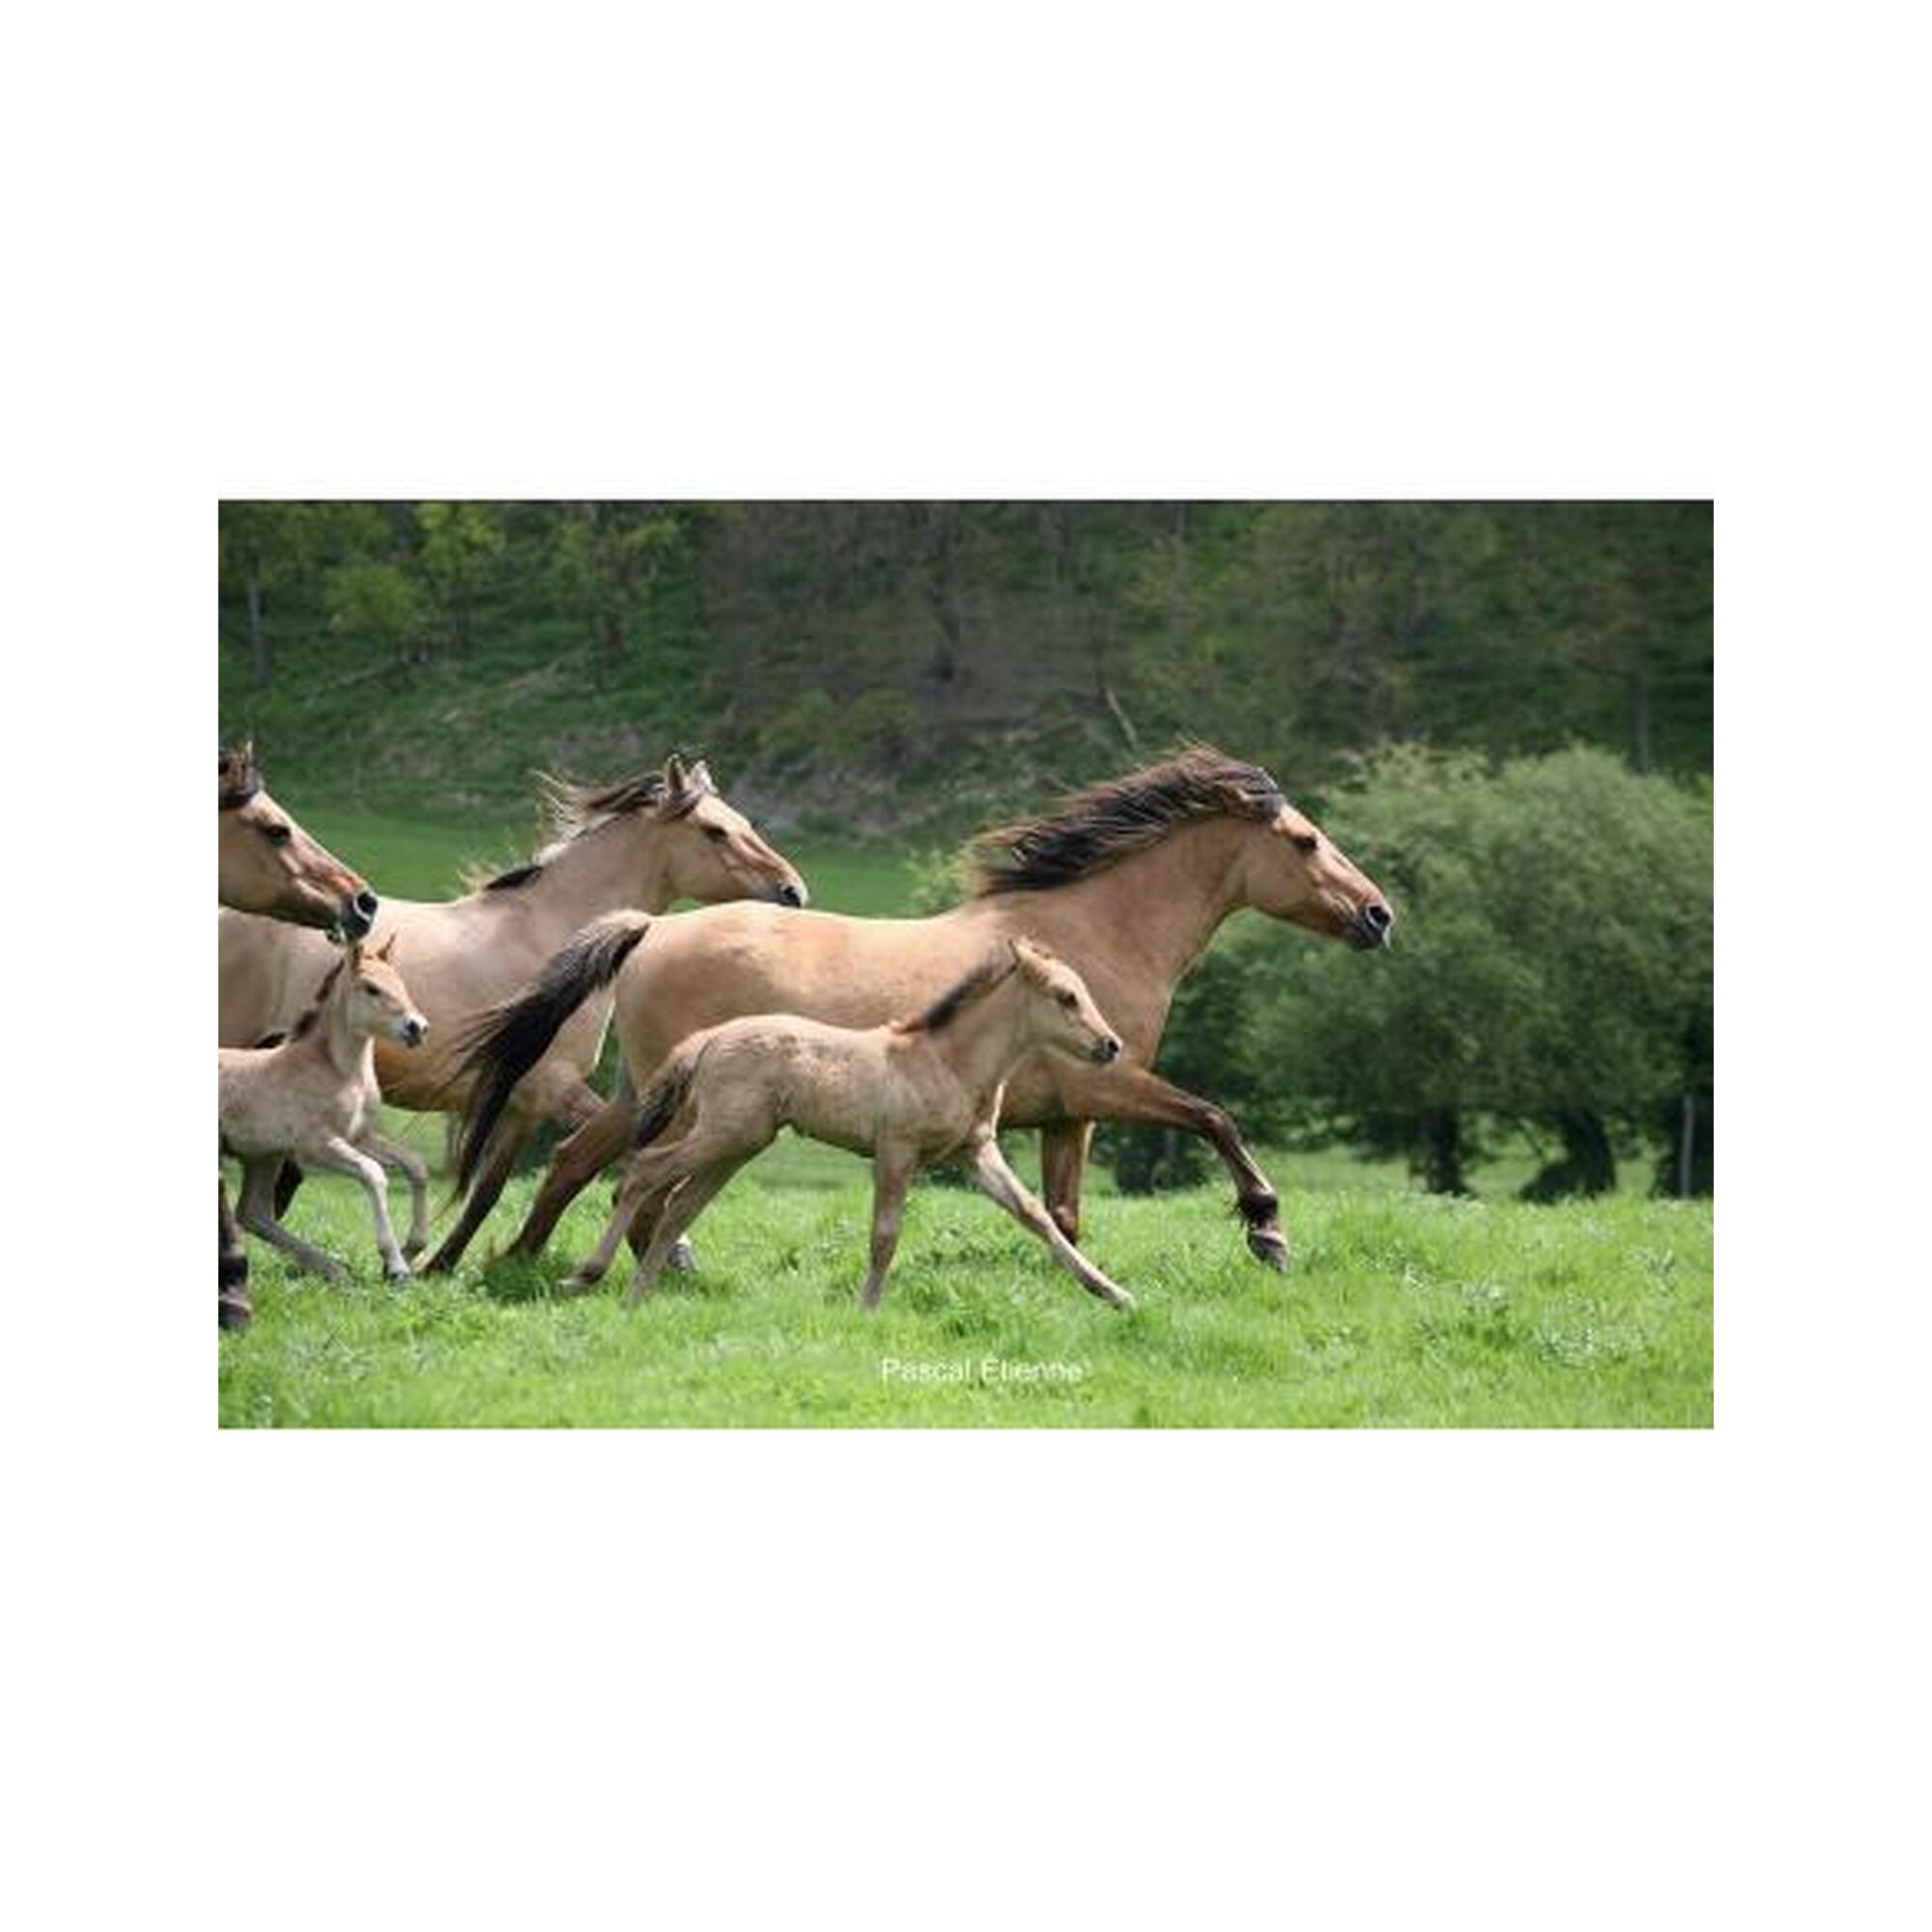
1401	1310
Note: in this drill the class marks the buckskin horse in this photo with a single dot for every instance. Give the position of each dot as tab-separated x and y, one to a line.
1126	881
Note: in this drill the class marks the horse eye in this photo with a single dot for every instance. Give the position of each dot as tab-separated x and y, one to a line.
1067	1001
275	835
1305	841
716	834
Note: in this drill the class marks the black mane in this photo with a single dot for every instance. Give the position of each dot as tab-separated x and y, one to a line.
1096	827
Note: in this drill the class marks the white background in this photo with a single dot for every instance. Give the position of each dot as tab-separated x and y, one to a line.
1355	1680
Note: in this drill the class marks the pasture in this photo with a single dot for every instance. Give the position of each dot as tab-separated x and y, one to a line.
1402	1309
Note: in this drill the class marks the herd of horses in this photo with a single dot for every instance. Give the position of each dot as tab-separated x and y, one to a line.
1038	1002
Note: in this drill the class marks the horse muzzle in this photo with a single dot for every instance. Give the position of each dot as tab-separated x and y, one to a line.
356	919
414	1031
1371	926
791	894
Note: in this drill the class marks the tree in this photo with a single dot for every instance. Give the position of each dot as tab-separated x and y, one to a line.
263	546
380	601
458	541
605	559
1552	949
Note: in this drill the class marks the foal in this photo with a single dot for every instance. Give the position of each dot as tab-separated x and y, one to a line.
314	1097
908	1093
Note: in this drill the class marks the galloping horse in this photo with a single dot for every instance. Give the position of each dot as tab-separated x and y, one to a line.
315	1095
271	865
922	1089
639	843
1126	881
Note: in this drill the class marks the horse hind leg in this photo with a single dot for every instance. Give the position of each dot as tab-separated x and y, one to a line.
578	1161
507	1144
1062	1159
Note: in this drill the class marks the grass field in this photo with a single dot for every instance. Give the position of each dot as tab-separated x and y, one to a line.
1402	1309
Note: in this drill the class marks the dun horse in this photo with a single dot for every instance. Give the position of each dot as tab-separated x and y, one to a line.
314	1097
271	866
908	1093
639	843
1126	881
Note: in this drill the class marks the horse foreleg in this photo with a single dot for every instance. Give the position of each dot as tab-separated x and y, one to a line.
231	1309
1128	1092
286	1183
414	1170
576	1164
892	1170
505	1145
344	1156
999	1181
1063	1157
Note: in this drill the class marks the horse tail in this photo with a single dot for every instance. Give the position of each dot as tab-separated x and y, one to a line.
503	1045
664	1096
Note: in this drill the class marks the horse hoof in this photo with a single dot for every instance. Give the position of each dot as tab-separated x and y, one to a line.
399	1273
233	1311
683	1257
1270	1248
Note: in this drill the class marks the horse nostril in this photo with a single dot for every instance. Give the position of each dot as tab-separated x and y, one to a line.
1377	917
366	904
792	896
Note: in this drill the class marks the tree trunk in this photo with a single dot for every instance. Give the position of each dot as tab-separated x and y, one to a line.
258	638
1686	1142
1438	1152
1588	1164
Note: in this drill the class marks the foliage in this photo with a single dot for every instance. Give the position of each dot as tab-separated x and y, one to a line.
1552	960
900	668
380	601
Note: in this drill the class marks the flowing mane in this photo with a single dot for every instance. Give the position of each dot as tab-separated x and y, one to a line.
572	810
1094	827
974	986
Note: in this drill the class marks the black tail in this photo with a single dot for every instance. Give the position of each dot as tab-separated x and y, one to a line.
663	1097
501	1047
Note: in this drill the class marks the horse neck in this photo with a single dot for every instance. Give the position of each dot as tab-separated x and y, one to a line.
348	1051
618	865
986	1039
1160	907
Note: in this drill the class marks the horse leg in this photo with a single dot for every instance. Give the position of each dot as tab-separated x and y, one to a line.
996	1179
1128	1092
404	1157
892	1170
343	1156
231	1309
286	1183
683	1208
576	1164
654	1172
256	1212
1062	1156
505	1145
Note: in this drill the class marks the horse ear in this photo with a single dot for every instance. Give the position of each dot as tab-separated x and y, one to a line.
699	776
1029	958
677	781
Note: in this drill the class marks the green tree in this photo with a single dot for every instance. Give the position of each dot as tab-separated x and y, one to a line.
606	558
1552	952
458	543
265	546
